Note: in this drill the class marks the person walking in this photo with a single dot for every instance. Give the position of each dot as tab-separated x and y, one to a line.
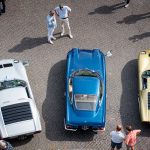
5	145
130	139
117	138
126	3
51	25
2	6
63	14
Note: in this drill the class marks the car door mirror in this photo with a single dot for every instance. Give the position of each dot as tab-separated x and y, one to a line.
109	53
65	94
25	63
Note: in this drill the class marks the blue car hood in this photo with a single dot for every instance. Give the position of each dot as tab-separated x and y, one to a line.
86	59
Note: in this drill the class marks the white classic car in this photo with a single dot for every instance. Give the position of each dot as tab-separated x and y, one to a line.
18	112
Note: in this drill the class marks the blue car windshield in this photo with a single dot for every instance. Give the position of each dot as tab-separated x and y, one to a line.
86	73
12	83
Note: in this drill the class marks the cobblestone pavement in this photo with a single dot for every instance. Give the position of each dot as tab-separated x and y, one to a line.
95	24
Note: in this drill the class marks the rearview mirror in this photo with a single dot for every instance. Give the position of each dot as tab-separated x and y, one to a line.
65	94
25	63
109	54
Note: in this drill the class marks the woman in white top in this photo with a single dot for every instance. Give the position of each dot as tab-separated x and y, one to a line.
51	25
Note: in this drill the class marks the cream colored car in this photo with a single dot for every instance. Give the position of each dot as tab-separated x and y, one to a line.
144	85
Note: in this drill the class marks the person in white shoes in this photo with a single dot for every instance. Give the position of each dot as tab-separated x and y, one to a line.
51	25
63	14
126	3
117	138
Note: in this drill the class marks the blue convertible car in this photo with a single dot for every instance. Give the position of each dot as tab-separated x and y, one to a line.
85	90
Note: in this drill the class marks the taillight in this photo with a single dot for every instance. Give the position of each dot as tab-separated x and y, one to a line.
69	126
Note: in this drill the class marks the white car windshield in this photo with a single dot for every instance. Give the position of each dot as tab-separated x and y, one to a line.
85	102
11	84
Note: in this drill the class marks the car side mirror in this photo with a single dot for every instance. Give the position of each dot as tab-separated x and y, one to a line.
25	63
109	54
65	94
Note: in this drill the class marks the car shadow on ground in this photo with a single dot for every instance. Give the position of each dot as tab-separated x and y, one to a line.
136	38
129	109
28	43
134	18
107	9
15	142
53	109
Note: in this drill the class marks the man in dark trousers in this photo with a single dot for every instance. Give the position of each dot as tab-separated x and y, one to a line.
126	3
2	6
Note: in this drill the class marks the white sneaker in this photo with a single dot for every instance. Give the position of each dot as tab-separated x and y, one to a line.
53	38
71	36
62	33
51	42
126	5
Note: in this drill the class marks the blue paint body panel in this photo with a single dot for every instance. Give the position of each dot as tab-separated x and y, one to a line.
93	61
86	85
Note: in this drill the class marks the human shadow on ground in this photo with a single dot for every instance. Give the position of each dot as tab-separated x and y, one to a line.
134	18
129	109
58	35
28	43
107	9
53	108
136	38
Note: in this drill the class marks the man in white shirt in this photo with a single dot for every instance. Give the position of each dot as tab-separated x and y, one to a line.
63	14
117	138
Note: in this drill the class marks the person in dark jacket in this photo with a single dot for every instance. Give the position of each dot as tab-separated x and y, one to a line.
2	6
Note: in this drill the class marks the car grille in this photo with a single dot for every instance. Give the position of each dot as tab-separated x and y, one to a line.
16	113
148	100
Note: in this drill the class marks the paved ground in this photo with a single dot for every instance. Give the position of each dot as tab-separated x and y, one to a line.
95	24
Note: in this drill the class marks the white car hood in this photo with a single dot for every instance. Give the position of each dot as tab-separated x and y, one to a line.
9	74
12	95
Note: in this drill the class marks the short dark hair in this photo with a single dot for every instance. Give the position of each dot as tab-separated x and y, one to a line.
129	128
60	6
118	128
51	12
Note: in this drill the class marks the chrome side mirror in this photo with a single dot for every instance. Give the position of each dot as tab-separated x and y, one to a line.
109	54
25	63
65	94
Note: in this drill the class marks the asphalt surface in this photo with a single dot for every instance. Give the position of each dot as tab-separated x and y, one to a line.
95	24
